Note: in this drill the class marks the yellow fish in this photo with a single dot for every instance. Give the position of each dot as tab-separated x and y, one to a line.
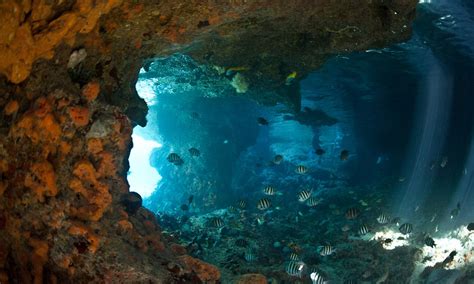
290	78
292	75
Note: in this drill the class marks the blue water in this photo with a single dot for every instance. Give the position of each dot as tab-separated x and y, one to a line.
404	113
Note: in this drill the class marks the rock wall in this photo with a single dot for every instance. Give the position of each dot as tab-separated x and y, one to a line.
68	105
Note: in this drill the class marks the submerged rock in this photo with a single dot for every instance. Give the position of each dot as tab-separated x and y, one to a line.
251	279
132	202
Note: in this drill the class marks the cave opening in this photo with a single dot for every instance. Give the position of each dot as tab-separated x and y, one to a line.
355	142
142	177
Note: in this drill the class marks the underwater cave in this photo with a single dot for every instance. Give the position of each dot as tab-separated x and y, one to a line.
237	142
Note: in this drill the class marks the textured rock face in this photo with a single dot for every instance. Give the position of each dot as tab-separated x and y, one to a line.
68	104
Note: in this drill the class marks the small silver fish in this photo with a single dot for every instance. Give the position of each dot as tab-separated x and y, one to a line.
454	213
444	162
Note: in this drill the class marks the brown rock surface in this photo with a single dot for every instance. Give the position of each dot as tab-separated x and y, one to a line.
205	272
67	75
252	279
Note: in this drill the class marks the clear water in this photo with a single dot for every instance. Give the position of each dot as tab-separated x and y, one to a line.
405	113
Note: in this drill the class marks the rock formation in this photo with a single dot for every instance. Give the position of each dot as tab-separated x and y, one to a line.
68	105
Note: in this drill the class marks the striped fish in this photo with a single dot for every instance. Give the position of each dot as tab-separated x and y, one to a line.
217	222
326	250
352	213
194	152
264	204
242	204
300	169
406	228
295	268
174	159
269	190
303	195
316	278
249	255
231	209
241	242
313	201
294	256
383	219
364	230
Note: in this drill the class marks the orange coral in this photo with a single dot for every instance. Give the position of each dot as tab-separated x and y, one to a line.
79	116
64	262
107	164
125	225
153	242
91	91
177	249
3	168
123	132
56	218
3	187
85	171
149	225
93	240
38	258
65	147
20	47
206	272
138	43
42	107
62	103
94	145
97	193
42	180
45	130
11	107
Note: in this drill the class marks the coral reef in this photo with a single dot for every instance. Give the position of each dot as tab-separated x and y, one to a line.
68	105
